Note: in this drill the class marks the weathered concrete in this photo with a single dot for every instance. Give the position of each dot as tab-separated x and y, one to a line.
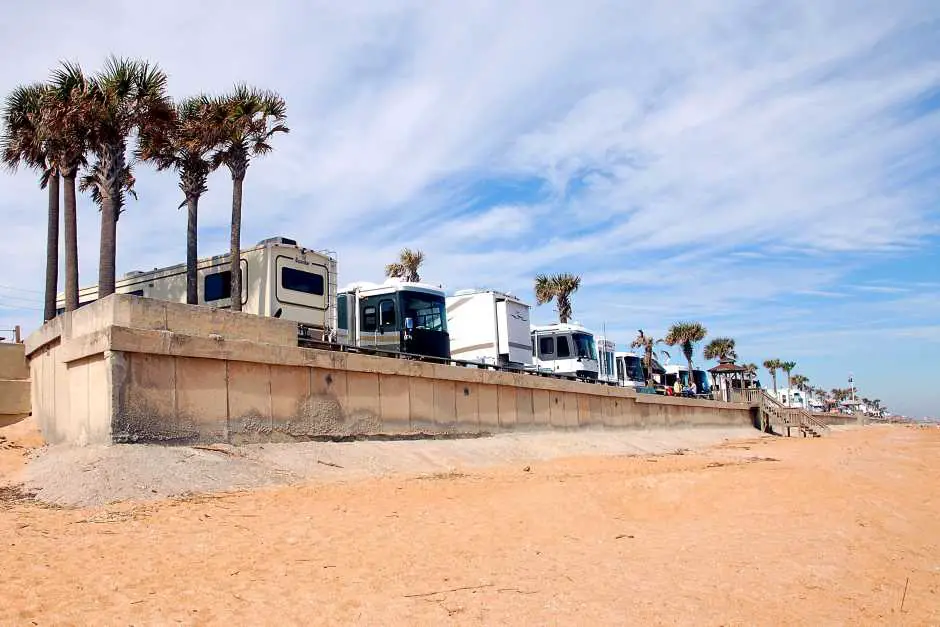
127	369
14	383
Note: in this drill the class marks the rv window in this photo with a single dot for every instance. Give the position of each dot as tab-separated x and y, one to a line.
387	315
546	347
368	318
563	350
342	312
136	293
300	281
533	347
217	286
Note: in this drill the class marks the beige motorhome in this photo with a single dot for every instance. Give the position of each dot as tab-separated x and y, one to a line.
279	279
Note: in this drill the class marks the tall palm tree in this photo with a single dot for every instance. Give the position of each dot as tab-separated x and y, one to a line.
799	382
685	335
647	343
69	142
721	348
772	366
751	370
126	98
188	150
788	366
559	287
22	143
248	118
406	268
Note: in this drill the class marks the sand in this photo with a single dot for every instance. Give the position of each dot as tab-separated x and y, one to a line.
747	531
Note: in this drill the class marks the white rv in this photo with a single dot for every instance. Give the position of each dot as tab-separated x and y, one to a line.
630	371
279	279
606	368
394	316
489	327
674	371
564	348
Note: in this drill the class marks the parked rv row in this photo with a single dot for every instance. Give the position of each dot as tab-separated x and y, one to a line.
284	280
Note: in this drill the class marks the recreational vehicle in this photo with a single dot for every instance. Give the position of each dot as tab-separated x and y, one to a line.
606	368
279	279
564	348
630	372
489	327
700	377
394	316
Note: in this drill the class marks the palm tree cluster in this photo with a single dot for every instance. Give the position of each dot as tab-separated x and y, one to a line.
557	287
79	127
407	266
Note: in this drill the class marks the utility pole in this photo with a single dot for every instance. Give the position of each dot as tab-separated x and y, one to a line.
852	386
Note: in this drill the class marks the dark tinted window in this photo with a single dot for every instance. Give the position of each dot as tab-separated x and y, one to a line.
217	286
368	318
546	347
300	281
563	350
342	312
136	293
387	315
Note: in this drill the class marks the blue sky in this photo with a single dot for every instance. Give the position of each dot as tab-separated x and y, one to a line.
768	168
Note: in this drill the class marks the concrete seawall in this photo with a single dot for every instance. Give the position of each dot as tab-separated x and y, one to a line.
128	369
14	384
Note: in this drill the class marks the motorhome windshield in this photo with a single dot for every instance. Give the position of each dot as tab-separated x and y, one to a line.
584	345
701	381
427	311
634	368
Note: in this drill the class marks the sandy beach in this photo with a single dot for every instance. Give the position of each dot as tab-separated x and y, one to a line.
750	530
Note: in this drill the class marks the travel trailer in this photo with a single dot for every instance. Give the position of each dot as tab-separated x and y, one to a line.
606	368
394	316
279	279
630	372
489	327
682	372
564	348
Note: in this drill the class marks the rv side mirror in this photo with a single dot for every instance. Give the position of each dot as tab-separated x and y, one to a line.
409	323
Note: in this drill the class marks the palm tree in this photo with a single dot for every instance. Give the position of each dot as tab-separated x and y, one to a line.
22	143
788	366
721	348
799	382
686	334
772	366
406	268
559	287
750	370
647	343
69	141
127	98
248	118
188	151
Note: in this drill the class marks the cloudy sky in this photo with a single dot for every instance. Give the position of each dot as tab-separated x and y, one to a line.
770	168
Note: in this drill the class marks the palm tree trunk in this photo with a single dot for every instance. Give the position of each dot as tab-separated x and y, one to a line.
236	243
52	249
108	251
192	209
71	245
691	376
773	375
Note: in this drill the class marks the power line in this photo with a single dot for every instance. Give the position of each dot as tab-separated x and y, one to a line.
20	289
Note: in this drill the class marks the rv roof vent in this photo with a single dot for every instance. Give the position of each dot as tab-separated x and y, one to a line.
278	240
133	273
465	292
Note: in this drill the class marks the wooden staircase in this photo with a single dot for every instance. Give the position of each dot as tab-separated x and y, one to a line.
780	418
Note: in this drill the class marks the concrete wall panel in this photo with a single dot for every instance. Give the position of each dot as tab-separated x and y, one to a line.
249	400
362	411
421	400
445	405
506	399
525	416
541	408
395	403
489	408
468	407
202	399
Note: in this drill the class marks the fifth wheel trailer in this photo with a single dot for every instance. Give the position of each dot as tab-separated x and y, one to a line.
279	279
489	327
